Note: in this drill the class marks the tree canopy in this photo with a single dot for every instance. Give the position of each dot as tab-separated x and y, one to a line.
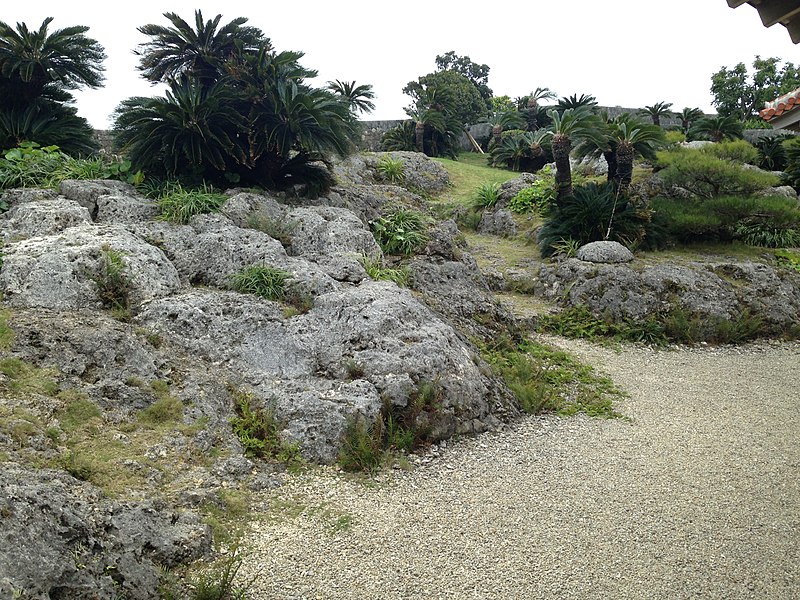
741	94
478	74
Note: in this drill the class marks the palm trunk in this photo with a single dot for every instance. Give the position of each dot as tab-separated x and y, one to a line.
611	159
561	148
624	165
656	120
497	130
419	132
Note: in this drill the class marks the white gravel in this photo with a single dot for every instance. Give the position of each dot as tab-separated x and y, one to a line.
697	495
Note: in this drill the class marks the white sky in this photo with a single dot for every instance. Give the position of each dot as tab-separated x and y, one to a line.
625	52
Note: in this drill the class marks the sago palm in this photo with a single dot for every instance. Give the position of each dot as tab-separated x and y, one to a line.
358	97
631	138
32	60
658	110
524	151
688	116
503	120
568	126
717	128
198	51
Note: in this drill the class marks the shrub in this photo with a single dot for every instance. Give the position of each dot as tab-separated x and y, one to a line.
266	282
771	152
166	409
391	169
402	231
178	204
486	195
595	212
673	137
788	259
707	176
791	173
538	197
757	221
401	138
740	151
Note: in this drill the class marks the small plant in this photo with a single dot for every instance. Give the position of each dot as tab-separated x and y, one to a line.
377	271
486	195
78	411
278	230
402	231
266	282
178	204
538	197
219	584
113	286
739	151
23	378
567	248
6	333
259	431
79	466
391	169
789	259
166	409
765	236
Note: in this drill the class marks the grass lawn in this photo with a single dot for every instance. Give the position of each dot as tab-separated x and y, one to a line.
468	173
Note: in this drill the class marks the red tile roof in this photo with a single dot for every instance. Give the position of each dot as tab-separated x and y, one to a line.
780	106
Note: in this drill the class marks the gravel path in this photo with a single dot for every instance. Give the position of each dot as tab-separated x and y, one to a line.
696	496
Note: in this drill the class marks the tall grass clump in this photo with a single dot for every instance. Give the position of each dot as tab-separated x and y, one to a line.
179	204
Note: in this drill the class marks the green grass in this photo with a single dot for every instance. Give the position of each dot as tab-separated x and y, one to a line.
6	333
470	172
267	282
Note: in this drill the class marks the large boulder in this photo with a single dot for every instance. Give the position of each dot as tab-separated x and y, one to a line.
604	252
43	217
86	192
62	271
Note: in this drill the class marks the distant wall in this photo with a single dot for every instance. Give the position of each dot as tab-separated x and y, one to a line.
372	132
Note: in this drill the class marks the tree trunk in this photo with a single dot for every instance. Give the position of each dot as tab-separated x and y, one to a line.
419	133
656	120
624	165
561	148
497	130
611	159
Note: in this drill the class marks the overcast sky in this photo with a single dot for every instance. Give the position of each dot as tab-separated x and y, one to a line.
624	52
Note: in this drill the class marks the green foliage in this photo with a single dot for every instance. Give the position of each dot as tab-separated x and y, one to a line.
740	94
259	431
391	169
456	95
236	111
520	150
113	285
791	172
38	69
401	231
538	197
740	151
366	447
400	138
23	378
755	123
221	583
658	110
767	236
376	270
6	332
486	195
78	412
358	97
772	152
267	282
727	218
478	74
674	137
716	129
544	379
165	409
179	204
788	259
594	213
707	176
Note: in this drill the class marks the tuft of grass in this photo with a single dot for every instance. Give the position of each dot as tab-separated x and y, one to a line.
486	195
266	282
24	378
278	230
785	258
78	411
113	285
376	270
166	409
179	204
391	169
6	333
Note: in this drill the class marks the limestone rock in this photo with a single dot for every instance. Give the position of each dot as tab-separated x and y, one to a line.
785	191
497	222
86	192
60	272
512	187
42	217
604	252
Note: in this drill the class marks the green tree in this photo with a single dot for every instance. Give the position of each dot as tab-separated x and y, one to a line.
741	94
568	126
478	74
455	94
38	69
717	128
503	120
658	110
358	97
689	116
235	112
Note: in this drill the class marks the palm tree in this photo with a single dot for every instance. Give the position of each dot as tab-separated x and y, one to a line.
199	52
658	110
575	102
631	138
525	151
502	120
35	61
717	128
48	124
569	125
358	97
689	116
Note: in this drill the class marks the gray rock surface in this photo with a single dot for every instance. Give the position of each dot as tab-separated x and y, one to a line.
512	187
45	216
59	271
123	208
86	193
63	539
604	252
497	222
785	191
419	171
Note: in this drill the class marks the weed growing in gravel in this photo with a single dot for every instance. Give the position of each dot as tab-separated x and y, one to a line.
396	430
544	379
